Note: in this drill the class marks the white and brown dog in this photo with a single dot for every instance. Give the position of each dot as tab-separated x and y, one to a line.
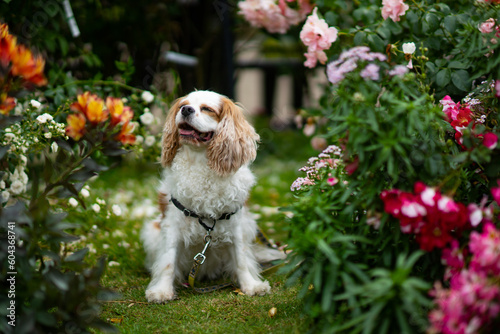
207	146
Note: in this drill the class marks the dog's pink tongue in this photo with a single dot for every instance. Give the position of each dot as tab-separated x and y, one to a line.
185	132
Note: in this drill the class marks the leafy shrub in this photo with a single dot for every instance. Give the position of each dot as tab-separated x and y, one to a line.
410	184
50	149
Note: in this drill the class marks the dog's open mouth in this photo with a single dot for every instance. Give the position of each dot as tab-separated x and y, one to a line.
187	131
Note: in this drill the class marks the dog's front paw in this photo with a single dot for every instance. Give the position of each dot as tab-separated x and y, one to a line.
256	288
160	295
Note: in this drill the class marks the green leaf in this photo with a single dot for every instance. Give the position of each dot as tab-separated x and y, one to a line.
3	151
77	256
359	38
58	279
461	80
443	77
376	43
450	24
455	64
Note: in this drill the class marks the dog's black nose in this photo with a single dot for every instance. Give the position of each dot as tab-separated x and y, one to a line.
187	110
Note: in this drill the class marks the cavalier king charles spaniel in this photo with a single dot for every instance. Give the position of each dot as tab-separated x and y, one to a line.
206	148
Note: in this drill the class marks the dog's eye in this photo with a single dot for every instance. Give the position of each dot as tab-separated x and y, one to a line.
207	109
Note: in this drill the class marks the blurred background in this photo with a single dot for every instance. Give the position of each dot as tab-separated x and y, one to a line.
170	46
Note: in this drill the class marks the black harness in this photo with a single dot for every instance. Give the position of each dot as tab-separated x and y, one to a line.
189	213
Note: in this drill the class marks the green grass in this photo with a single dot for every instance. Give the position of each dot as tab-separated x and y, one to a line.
132	187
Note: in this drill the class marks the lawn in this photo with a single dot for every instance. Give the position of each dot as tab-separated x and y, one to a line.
126	197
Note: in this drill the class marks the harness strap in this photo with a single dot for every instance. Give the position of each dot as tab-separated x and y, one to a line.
189	213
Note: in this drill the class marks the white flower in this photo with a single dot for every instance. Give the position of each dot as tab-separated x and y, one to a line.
2	184
24	160
124	244
84	192
147	97
35	104
105	246
117	211
44	118
47	135
10	137
118	234
73	202
17	187
139	139
96	208
54	147
113	263
149	141
147	118
5	196
409	48
100	201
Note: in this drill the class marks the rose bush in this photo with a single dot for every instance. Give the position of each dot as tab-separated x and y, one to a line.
407	199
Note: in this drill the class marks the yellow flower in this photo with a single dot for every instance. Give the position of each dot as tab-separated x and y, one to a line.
25	65
6	103
119	113
92	106
95	111
125	136
76	126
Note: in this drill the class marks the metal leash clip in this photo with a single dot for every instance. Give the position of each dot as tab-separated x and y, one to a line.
200	257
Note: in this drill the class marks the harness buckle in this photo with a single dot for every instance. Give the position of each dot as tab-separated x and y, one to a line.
200	257
199	261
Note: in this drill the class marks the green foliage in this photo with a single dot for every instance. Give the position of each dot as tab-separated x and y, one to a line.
359	272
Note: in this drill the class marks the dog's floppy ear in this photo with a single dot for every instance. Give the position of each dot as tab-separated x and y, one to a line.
234	143
170	138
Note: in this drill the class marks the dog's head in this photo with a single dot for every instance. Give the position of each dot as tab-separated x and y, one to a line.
213	122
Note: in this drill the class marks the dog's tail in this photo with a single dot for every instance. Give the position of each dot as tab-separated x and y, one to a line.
150	237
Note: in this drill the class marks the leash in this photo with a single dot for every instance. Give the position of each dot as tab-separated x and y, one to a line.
200	258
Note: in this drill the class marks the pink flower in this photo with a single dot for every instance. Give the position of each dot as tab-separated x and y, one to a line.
487	26
453	257
485	248
471	303
300	182
371	71
271	16
495	192
490	140
317	36
332	181
393	9
497	88
398	70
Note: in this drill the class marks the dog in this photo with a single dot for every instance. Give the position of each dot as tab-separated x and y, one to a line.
207	145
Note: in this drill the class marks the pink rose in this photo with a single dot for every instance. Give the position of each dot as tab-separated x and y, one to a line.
393	9
490	140
487	26
317	36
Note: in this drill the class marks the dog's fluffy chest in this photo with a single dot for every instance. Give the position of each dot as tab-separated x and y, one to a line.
201	190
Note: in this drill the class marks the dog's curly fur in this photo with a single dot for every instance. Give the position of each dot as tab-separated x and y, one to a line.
207	146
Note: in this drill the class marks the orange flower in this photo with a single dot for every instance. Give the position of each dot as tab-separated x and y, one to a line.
25	65
76	126
92	106
6	103
125	135
119	113
95	111
7	45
